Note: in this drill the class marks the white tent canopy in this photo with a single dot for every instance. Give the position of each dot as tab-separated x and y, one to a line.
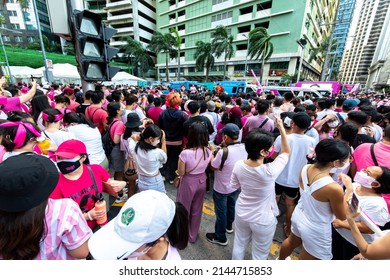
123	78
23	72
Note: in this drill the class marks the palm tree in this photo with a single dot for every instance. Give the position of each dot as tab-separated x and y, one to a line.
178	44
163	43
204	57
24	4
260	47
222	43
134	50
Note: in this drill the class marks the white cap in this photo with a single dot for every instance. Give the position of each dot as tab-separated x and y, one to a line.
144	218
308	102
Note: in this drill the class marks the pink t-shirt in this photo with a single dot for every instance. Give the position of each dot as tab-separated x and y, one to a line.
118	128
13	104
222	177
82	190
66	230
154	113
191	158
362	156
73	105
99	116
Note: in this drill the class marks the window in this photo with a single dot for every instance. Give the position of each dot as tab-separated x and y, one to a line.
6	38
181	13
12	13
262	24
172	16
264	6
243	29
181	27
18	39
279	65
222	16
246	10
30	39
172	2
241	47
216	2
15	26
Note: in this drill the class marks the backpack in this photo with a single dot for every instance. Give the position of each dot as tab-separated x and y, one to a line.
108	143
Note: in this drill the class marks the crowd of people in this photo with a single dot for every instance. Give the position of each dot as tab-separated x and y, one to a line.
62	148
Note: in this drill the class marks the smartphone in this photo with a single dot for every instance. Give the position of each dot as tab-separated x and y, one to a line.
354	203
32	78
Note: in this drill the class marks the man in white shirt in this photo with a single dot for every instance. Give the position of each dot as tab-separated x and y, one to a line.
225	196
287	182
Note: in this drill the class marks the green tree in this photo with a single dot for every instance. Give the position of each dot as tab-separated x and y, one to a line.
288	79
178	40
163	43
204	57
260	47
321	50
222	43
24	4
138	55
69	48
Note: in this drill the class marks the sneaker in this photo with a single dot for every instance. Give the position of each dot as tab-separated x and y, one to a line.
171	182
211	238
120	199
229	230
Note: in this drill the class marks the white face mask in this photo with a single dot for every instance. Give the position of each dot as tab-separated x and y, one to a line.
136	254
333	124
364	179
155	142
336	169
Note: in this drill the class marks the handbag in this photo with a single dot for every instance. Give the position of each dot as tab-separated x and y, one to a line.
131	173
176	181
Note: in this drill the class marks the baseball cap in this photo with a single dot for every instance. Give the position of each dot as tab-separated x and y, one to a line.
235	112
230	129
21	191
302	120
133	120
71	149
145	217
211	106
351	103
68	91
287	117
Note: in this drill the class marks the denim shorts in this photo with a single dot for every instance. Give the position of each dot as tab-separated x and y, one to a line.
151	183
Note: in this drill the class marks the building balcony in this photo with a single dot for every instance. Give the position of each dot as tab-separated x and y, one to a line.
118	4
245	17
182	46
120	17
125	30
182	32
241	36
240	54
223	5
172	21
181	18
181	3
263	13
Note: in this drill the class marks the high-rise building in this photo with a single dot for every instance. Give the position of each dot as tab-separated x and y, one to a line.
340	34
286	21
23	21
367	26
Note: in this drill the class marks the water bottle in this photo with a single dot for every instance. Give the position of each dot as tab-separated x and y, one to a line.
43	144
100	205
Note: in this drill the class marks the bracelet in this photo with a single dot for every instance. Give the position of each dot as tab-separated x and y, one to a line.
89	216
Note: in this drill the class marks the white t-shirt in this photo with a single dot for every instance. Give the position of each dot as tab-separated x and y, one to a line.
313	133
222	177
59	136
323	113
137	110
376	208
300	146
257	200
92	139
148	162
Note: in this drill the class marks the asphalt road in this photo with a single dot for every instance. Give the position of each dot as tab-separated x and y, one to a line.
204	250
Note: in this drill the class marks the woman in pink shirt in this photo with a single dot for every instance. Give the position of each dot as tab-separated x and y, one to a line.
33	226
192	165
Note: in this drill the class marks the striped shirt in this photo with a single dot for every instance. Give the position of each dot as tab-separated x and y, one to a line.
66	230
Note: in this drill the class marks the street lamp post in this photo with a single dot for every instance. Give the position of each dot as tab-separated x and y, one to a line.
47	75
246	57
5	54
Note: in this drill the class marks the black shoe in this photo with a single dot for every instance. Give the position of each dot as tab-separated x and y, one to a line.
229	230
211	238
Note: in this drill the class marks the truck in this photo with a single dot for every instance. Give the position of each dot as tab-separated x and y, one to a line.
325	88
233	87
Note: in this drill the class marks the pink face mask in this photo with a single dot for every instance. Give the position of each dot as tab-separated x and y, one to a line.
363	179
270	153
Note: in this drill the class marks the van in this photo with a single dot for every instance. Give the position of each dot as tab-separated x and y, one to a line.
298	91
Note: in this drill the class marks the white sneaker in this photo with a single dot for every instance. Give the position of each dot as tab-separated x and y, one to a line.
121	199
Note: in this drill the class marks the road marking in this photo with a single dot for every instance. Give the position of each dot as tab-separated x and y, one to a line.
208	208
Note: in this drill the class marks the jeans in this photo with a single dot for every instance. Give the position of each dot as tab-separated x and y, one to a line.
224	207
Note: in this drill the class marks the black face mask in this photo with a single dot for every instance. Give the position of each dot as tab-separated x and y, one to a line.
67	167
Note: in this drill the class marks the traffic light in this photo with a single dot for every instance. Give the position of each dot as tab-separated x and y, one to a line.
91	38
